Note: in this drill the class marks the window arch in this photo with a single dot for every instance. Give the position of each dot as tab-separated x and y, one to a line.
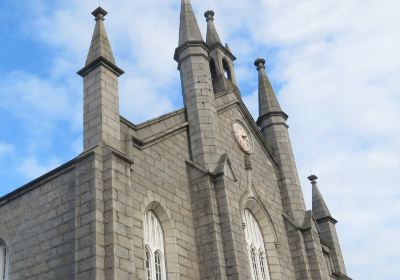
154	247
227	69
213	69
3	261
255	248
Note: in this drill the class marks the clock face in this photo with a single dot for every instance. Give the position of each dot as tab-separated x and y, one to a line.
242	137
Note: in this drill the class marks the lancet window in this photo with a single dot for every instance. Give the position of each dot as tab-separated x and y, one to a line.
154	248
255	248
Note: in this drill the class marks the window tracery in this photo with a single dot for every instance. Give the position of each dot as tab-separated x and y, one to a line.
255	248
154	244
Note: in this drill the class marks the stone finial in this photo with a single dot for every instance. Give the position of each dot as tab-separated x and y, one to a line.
312	178
99	13
209	15
319	207
260	63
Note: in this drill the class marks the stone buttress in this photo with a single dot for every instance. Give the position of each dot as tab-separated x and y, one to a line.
109	181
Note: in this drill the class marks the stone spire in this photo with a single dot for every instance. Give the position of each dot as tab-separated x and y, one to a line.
100	48
189	30
319	208
268	103
212	34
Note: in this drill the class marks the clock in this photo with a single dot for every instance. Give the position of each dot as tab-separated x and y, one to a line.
242	137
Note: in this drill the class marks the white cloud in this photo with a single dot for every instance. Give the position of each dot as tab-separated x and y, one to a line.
5	149
335	60
31	168
141	100
36	99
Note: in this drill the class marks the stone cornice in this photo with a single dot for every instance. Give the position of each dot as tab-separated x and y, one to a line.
101	61
272	114
327	218
189	44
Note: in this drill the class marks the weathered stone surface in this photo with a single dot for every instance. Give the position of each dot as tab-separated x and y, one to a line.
85	220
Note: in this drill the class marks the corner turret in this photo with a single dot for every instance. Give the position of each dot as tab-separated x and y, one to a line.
326	224
101	99
193	64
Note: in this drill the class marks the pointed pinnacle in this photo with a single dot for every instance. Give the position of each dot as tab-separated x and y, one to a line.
212	34
189	30
268	102
100	45
100	52
319	207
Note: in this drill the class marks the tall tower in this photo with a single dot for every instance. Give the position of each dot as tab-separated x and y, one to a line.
272	122
199	100
101	101
193	64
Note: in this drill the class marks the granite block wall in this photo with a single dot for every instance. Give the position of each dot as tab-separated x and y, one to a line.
39	230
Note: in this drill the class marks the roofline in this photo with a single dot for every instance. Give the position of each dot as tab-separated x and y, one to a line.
247	115
43	179
151	121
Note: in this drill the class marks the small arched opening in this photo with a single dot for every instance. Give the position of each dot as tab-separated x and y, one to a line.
213	69
227	69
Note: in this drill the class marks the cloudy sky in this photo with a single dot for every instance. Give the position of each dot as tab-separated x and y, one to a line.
334	64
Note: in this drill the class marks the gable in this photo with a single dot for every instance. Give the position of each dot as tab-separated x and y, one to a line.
230	102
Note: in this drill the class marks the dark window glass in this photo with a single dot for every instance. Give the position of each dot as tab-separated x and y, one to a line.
148	271
157	261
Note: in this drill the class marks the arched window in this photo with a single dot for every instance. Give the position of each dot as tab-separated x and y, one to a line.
227	70
3	262
154	244
255	247
213	69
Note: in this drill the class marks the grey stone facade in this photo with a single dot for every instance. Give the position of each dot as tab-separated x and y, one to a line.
84	220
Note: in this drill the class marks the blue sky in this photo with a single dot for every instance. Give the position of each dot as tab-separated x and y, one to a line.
334	64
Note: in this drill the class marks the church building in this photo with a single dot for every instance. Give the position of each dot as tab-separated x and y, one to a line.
202	193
